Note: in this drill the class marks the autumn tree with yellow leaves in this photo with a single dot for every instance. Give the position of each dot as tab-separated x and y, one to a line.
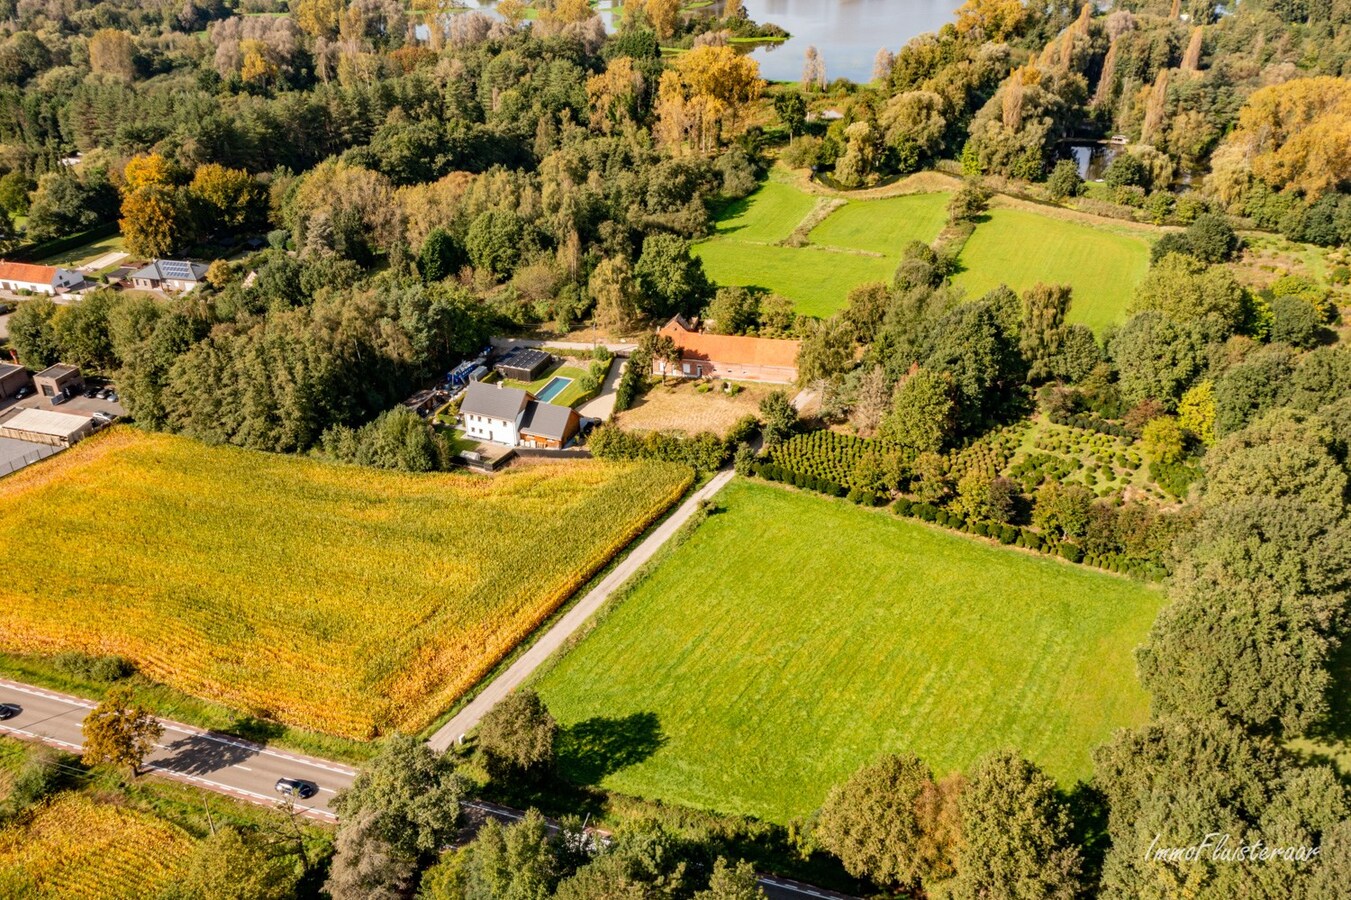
154	215
703	97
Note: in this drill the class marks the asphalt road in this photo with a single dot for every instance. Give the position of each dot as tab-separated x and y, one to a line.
468	718
217	762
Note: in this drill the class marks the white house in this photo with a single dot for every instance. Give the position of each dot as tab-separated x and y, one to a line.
514	417
492	412
50	280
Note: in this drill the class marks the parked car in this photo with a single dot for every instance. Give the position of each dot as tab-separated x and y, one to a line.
91	392
112	396
23	392
58	399
297	787
9	710
103	393
103	417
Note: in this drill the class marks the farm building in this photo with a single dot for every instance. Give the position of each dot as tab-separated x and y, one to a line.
46	426
734	357
169	275
548	426
515	418
48	280
58	379
524	364
12	380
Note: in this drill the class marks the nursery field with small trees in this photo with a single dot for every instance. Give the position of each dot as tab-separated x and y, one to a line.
793	638
337	598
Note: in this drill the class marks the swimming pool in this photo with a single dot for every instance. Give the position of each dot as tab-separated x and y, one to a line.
555	387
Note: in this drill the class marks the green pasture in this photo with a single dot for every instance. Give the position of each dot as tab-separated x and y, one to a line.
793	638
884	226
768	215
1020	248
816	279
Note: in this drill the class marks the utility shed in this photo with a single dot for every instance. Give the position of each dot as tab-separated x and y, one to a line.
526	364
45	426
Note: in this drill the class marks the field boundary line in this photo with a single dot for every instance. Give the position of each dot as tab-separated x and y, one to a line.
468	718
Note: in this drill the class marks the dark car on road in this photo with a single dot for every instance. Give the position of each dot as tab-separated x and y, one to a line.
9	710
297	787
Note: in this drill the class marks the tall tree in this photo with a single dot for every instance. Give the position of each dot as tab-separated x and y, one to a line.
120	731
1016	835
517	736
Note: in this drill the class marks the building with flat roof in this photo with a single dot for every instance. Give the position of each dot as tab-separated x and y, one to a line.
58	379
12	380
47	426
524	364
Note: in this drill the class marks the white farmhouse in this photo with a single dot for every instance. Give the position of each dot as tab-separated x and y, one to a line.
492	412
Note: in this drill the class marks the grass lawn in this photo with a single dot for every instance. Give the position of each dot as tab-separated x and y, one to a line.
80	255
817	280
793	638
569	396
884	226
1020	248
767	216
335	598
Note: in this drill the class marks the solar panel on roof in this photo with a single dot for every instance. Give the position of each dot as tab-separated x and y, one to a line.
176	269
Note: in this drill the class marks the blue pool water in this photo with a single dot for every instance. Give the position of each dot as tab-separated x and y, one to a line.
551	390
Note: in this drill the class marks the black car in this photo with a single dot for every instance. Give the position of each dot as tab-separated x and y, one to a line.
297	787
91	392
9	710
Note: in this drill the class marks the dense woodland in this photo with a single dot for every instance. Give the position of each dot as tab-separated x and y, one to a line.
415	196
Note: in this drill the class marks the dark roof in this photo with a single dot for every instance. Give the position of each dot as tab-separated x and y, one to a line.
493	401
7	369
547	419
60	370
172	270
524	358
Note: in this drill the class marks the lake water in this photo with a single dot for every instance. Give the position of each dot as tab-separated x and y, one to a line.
847	33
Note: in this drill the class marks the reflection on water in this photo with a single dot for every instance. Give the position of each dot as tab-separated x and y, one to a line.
847	33
1091	158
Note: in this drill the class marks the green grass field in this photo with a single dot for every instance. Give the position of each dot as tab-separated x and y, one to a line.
85	253
816	280
1020	248
793	638
862	242
884	226
768	215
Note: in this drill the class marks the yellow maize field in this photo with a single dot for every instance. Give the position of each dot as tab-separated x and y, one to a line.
337	598
76	849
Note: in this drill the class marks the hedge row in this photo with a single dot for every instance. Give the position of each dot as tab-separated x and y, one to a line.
773	472
1025	537
825	455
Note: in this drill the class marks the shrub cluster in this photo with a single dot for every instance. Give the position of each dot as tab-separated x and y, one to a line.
826	456
704	452
1088	422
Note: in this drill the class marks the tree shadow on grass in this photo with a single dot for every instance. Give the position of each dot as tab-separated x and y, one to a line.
1337	725
590	750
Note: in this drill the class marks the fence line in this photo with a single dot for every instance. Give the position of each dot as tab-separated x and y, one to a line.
10	466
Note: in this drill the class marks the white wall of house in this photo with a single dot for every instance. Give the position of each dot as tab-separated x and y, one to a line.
486	428
35	287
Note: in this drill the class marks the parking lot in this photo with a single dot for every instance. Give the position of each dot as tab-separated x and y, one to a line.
79	404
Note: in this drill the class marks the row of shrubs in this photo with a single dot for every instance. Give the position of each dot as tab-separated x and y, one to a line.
774	472
824	455
1089	422
705	452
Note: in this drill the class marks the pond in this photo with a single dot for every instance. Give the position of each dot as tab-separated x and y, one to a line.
1092	157
846	33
